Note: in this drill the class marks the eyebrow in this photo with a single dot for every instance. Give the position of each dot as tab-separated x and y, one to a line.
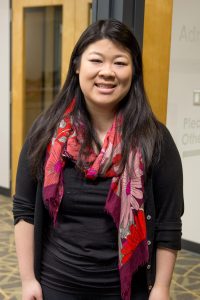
115	56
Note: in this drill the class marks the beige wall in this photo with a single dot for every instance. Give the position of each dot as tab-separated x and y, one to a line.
183	115
4	94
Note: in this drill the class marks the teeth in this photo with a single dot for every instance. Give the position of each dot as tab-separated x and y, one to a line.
105	86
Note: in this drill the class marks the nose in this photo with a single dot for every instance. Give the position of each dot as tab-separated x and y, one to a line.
106	71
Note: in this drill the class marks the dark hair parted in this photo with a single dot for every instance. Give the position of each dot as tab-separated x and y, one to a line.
140	127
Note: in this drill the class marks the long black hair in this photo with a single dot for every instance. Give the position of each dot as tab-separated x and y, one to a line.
140	127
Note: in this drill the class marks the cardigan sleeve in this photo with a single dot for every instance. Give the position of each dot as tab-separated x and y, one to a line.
26	185
168	195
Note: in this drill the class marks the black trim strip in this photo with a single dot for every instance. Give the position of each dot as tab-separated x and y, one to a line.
130	12
190	246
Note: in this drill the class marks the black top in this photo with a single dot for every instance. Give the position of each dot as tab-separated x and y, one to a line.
163	197
81	252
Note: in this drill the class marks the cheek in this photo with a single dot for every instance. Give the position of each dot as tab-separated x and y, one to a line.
85	84
127	82
126	78
86	73
130	79
126	85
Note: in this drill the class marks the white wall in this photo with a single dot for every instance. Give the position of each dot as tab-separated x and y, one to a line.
4	95
183	116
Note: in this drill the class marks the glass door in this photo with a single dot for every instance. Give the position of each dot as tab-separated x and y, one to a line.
43	35
42	59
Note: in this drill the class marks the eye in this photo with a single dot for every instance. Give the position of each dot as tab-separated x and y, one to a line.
120	63
96	60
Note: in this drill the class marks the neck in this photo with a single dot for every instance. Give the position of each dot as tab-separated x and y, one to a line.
102	121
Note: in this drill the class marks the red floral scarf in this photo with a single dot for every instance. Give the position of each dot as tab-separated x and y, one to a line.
124	202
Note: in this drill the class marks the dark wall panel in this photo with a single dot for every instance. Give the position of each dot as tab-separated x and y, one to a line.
130	12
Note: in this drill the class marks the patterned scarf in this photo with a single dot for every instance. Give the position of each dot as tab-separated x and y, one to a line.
124	202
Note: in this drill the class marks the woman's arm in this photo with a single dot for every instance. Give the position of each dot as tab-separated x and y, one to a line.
23	211
168	197
165	261
24	240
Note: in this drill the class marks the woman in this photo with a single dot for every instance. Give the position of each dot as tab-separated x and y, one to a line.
99	185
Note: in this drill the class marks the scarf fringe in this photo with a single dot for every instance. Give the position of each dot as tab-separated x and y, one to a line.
139	258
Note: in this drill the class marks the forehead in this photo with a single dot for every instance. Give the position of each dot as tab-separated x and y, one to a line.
106	46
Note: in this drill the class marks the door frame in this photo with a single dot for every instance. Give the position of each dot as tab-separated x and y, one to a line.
74	20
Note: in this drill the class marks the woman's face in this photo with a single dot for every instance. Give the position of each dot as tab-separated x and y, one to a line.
105	74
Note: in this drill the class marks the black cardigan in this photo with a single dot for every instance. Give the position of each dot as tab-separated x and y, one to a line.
163	203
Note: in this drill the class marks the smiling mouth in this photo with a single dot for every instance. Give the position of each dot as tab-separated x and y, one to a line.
105	86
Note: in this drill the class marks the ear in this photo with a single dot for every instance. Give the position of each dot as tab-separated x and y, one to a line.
77	71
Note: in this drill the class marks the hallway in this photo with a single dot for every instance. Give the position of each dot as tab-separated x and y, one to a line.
185	284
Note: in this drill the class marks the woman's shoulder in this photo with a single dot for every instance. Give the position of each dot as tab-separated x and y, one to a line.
165	132
27	145
165	137
166	149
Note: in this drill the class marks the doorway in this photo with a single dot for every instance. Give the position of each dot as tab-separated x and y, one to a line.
44	33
